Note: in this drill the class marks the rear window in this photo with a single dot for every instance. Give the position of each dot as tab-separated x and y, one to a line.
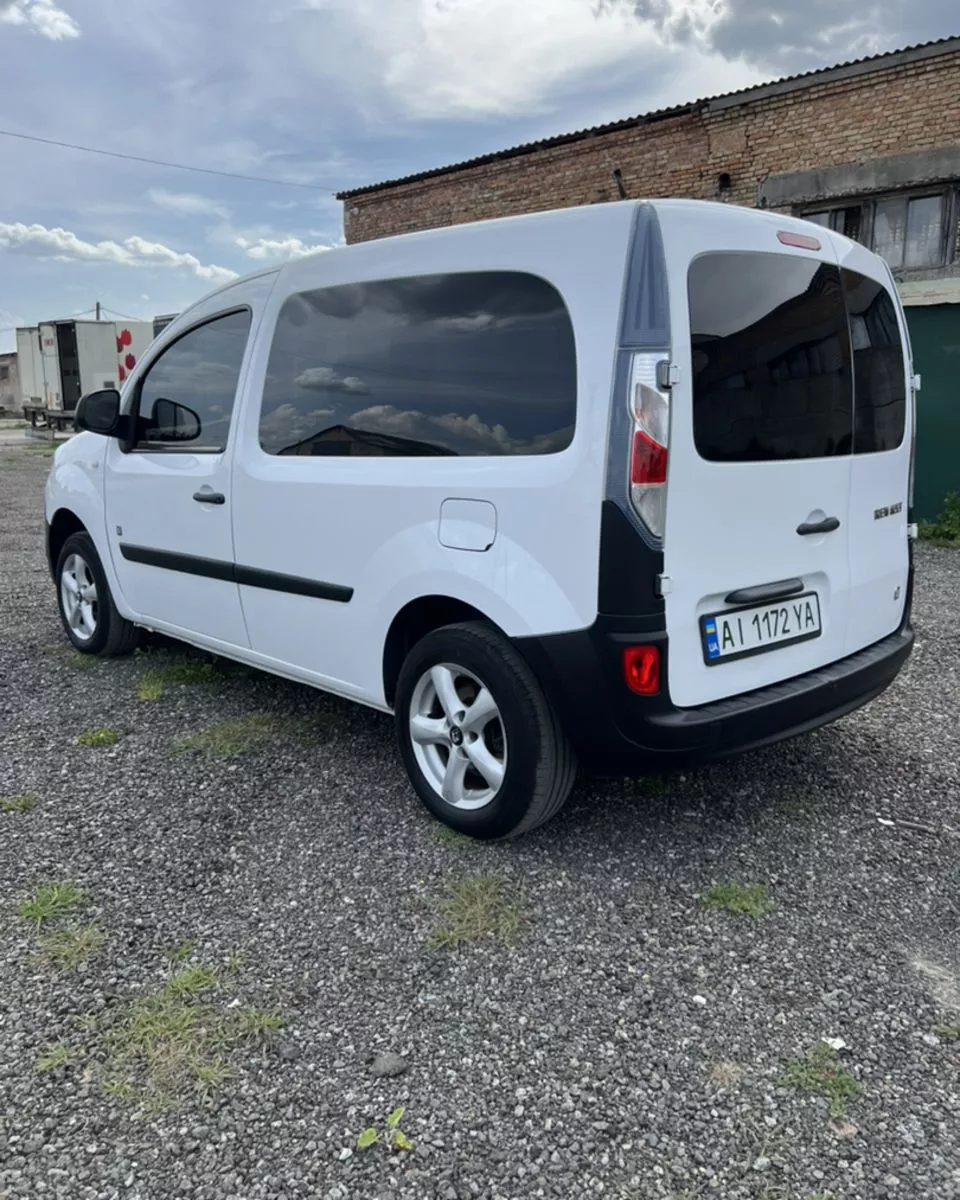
780	372
879	381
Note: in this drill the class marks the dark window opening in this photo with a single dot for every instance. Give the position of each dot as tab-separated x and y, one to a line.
791	362
186	398
461	364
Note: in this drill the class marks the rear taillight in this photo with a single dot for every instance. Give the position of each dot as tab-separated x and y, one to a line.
650	409
641	669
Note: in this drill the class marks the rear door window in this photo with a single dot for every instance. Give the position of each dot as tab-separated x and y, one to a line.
771	358
879	380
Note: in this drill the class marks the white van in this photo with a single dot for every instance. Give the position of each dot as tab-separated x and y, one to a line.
623	486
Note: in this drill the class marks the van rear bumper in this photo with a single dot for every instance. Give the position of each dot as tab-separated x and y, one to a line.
617	732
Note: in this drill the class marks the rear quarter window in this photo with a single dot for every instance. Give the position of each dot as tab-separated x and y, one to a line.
879	373
472	364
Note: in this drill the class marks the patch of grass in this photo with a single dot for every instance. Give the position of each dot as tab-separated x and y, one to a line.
948	1032
17	804
452	837
192	981
725	1074
54	1058
50	901
72	947
821	1073
154	682
793	809
475	909
247	735
176	1043
73	658
740	899
181	952
98	737
945	530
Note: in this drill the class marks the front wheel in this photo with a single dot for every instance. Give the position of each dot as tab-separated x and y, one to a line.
89	615
481	744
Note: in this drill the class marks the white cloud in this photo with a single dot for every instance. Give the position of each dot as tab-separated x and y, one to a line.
132	252
187	204
326	379
265	248
42	16
448	59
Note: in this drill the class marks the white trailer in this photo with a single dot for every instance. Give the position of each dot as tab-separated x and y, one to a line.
63	360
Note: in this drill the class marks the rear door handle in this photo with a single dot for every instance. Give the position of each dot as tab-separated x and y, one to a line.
210	497
764	592
827	525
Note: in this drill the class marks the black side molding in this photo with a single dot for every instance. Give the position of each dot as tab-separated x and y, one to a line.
212	568
765	591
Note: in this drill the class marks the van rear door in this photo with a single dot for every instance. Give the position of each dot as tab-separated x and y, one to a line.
882	438
757	531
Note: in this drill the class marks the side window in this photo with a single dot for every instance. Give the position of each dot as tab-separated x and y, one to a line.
879	383
187	395
469	364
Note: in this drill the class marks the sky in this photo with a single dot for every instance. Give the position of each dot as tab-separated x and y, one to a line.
322	95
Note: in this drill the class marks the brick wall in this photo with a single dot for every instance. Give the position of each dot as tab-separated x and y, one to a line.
913	105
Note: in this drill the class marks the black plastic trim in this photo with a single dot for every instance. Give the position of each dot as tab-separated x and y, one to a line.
830	525
616	732
211	568
764	592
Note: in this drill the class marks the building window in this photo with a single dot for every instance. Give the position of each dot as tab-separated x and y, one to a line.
4	373
913	233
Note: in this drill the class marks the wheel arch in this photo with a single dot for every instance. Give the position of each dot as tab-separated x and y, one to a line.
414	621
63	524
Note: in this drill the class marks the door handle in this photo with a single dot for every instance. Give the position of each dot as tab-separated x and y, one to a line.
827	525
210	497
765	591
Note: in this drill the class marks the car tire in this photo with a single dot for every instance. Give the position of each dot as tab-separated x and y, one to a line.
89	615
480	742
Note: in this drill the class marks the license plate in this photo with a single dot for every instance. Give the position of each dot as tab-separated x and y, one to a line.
740	632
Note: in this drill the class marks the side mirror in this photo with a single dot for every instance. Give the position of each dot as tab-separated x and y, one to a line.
99	412
172	422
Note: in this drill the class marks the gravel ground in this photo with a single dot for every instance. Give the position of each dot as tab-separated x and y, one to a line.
630	1042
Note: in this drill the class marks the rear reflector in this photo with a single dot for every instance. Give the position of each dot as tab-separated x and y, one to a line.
649	463
641	669
801	240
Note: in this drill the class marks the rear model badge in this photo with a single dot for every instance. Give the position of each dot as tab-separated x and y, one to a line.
891	511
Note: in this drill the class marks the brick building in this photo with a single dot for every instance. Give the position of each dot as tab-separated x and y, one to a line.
870	147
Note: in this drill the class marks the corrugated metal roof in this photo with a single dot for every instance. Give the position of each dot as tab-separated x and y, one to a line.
857	66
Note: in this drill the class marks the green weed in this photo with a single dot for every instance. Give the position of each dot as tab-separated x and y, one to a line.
72	947
476	909
392	1137
49	901
945	530
17	804
181	952
192	981
54	1058
247	735
742	900
452	837
821	1073
98	737
154	682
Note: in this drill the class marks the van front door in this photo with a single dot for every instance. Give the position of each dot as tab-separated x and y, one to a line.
168	499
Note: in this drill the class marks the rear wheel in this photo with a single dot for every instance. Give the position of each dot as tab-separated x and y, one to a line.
87	610
480	742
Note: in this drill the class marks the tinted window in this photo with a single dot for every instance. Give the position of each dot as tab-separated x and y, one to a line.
771	358
470	364
186	398
879	383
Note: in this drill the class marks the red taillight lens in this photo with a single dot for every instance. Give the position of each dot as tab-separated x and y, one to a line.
649	460
641	669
